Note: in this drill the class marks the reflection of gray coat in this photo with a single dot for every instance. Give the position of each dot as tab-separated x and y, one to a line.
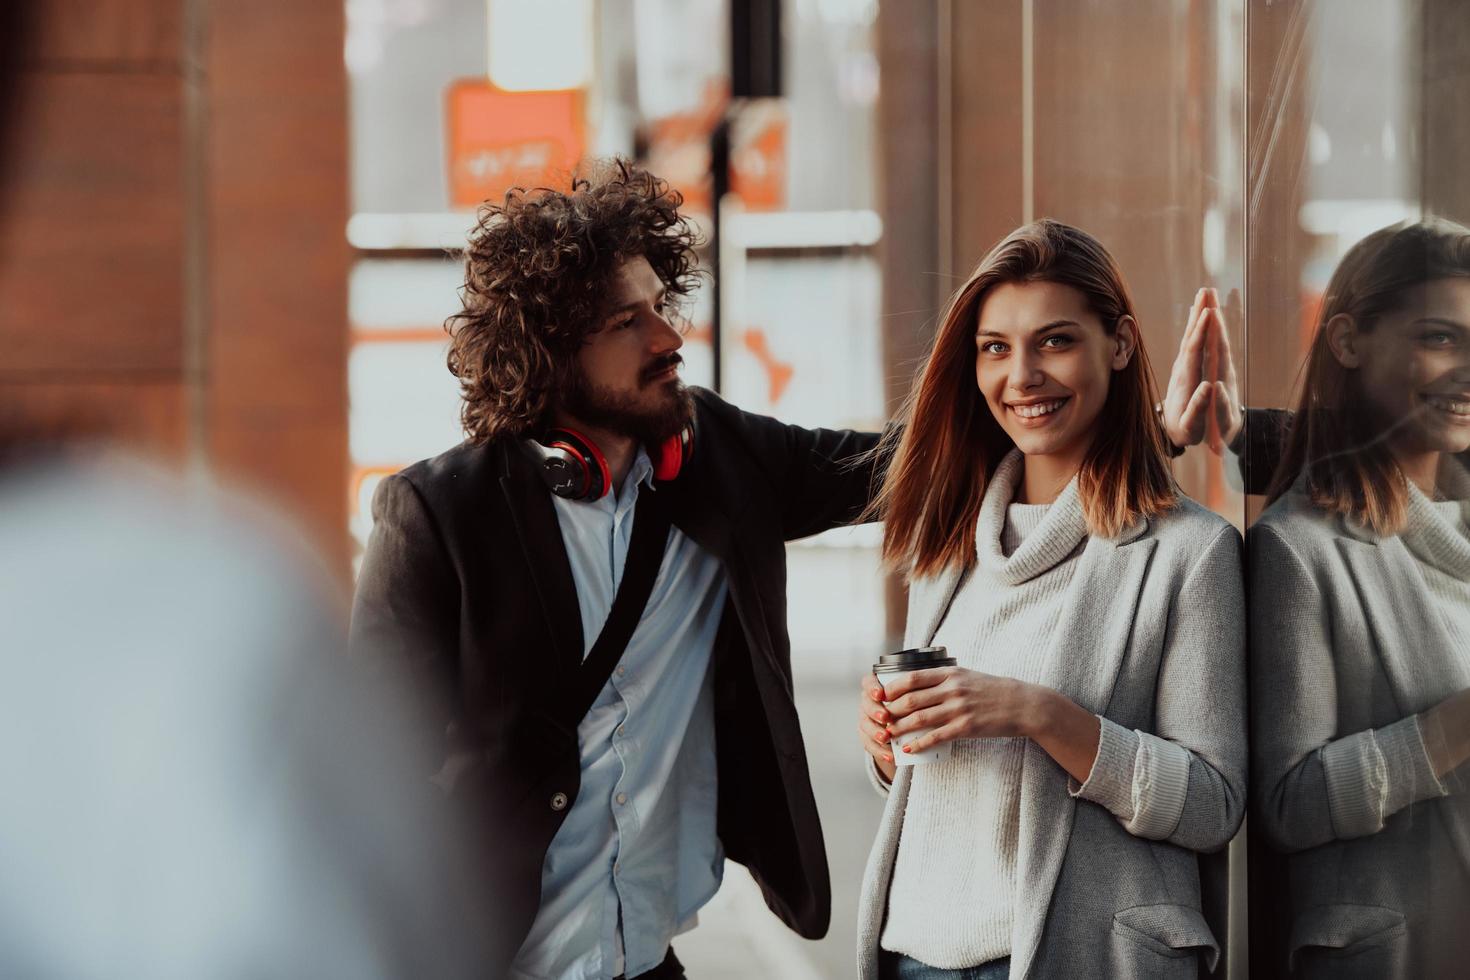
1345	650
1152	639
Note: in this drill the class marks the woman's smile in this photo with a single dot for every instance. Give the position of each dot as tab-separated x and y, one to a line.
1037	413
1454	408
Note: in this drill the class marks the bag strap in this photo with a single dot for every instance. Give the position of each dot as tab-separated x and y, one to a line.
645	554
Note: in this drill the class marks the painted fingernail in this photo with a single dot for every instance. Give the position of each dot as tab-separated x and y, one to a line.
908	748
888	757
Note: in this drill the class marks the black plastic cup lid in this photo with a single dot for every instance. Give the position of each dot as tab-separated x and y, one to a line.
915	658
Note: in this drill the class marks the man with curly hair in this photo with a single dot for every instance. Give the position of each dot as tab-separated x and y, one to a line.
492	580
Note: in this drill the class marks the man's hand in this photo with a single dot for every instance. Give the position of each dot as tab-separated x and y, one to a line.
871	718
1203	400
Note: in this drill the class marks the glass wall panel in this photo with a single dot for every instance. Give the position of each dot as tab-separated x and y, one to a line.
1359	318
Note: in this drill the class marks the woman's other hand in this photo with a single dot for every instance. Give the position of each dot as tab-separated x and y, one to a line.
872	716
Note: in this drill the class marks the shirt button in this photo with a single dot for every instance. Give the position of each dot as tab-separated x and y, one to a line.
558	801
622	671
620	731
622	798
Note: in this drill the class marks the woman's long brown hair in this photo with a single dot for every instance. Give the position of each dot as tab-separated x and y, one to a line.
1334	438
943	456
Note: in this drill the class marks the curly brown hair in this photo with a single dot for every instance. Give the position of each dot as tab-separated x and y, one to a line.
537	267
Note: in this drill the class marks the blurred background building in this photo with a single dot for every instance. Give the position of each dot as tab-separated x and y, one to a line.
231	236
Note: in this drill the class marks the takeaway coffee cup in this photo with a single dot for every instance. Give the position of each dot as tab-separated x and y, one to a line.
890	666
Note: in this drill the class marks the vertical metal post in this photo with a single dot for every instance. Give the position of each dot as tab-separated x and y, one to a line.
719	162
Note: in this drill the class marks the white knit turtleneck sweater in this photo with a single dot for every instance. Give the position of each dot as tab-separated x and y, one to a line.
1436	537
954	877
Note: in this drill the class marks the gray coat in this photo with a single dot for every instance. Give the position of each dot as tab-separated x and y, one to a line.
1346	649
1153	640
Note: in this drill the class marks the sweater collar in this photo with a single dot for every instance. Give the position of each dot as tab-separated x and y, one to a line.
1060	532
1436	537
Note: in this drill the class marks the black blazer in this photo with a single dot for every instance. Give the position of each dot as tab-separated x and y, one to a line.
466	585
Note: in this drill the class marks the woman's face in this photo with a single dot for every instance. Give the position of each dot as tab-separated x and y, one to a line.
1044	362
1414	367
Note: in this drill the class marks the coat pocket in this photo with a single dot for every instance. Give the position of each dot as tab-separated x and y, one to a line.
1162	941
1349	941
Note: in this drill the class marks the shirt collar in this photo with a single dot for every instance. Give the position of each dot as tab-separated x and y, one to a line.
641	473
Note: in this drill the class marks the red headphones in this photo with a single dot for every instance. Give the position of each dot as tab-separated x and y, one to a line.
573	466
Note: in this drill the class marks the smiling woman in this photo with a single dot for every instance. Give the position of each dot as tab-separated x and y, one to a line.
1047	308
1095	706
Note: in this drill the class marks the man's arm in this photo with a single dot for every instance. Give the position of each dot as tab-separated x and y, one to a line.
405	613
830	477
822	478
1260	445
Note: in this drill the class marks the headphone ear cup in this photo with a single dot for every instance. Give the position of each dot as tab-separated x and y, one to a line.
574	468
674	454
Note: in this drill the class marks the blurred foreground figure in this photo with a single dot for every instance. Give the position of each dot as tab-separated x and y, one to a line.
192	786
1360	626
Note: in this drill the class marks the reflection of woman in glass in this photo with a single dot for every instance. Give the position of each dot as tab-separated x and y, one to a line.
1360	623
1097	619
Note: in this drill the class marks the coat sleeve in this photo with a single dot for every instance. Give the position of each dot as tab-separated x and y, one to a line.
1312	783
405	612
823	478
1185	783
1259	447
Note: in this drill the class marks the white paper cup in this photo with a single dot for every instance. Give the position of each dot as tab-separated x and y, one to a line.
893	665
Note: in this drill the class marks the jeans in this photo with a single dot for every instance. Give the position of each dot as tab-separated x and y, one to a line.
896	966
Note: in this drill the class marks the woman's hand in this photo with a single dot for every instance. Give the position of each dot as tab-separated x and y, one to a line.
957	703
1203	399
960	703
871	718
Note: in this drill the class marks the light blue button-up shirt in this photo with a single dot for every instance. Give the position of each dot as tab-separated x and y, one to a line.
637	855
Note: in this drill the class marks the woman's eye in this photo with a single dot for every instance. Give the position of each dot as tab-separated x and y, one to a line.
1056	341
992	347
623	324
1438	338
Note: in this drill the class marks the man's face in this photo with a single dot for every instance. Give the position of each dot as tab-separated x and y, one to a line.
628	380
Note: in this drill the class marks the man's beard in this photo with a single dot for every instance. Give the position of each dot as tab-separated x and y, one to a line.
649	421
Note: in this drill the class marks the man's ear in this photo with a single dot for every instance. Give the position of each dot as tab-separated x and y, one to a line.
1343	339
1125	342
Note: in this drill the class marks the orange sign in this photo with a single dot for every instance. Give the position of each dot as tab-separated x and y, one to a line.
499	140
758	156
678	151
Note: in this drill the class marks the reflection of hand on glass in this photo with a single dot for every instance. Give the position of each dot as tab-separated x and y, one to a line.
1203	400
